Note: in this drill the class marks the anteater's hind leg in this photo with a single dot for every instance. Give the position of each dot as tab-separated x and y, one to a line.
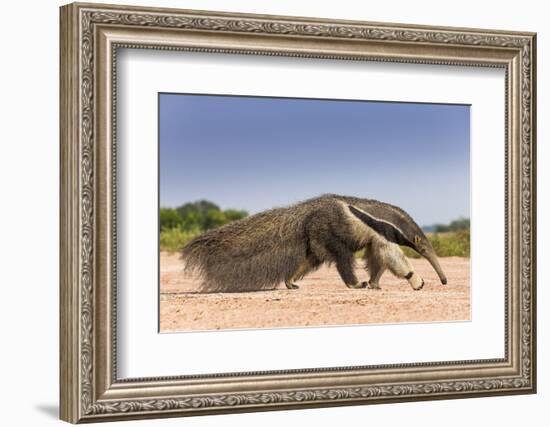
375	266
374	259
290	285
301	271
308	264
345	263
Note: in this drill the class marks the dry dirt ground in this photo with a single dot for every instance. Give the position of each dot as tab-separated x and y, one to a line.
322	299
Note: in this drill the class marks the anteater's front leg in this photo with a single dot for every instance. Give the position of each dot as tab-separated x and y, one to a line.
400	266
345	263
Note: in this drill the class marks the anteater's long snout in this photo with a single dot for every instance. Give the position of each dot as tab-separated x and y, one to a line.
432	259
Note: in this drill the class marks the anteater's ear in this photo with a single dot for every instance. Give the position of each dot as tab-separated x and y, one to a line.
384	227
417	239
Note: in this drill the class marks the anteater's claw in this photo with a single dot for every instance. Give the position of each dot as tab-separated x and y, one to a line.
421	286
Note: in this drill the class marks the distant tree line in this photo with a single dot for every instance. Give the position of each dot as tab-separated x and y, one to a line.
197	216
451	239
456	225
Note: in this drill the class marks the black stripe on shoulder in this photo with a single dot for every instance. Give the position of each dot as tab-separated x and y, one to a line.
385	229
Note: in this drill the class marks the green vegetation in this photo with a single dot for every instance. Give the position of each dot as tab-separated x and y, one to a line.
456	225
447	240
452	243
178	226
175	239
451	239
170	219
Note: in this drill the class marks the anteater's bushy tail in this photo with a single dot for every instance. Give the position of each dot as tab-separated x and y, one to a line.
252	254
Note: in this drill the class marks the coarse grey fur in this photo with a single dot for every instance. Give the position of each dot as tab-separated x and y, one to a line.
283	244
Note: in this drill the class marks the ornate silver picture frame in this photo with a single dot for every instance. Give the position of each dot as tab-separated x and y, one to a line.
91	36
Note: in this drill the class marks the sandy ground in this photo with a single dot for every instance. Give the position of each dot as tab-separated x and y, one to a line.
322	299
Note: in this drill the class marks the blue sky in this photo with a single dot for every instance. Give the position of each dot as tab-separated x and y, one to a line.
256	153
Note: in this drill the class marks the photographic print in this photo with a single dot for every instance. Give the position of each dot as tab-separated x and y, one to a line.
296	212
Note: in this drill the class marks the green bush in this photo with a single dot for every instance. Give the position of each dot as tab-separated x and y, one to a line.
173	240
456	225
203	215
178	226
200	207
234	214
213	219
169	218
455	243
